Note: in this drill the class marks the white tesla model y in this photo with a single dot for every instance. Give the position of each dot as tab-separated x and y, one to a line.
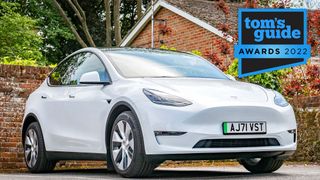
136	108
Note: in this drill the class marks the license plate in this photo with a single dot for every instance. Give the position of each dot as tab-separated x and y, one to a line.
244	128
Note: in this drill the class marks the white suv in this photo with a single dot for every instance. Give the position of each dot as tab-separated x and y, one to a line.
136	108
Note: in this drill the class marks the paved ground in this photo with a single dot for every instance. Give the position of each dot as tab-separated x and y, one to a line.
309	172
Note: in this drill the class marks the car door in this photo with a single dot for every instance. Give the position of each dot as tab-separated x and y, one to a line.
55	97
88	107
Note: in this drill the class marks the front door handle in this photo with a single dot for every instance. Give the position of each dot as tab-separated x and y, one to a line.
43	97
71	96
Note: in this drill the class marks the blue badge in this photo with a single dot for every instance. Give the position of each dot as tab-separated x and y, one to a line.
271	39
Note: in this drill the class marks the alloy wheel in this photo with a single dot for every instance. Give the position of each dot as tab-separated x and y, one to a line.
122	145
31	148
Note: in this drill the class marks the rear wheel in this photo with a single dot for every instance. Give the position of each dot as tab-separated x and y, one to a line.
34	150
127	148
261	165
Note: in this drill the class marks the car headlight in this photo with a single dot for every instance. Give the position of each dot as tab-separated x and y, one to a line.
280	100
162	98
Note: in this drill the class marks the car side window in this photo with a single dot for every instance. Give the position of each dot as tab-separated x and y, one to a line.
88	62
70	71
61	75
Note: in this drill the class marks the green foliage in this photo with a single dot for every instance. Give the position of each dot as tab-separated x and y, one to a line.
164	47
57	38
196	52
21	62
271	80
25	62
19	37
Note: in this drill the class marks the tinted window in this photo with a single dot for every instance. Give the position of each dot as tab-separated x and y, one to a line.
87	63
70	71
138	63
61	75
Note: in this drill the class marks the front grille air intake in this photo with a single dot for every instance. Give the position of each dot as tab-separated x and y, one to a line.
228	143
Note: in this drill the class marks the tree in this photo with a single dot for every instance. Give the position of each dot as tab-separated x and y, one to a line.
57	38
83	20
108	23
117	25
139	8
119	16
58	23
69	23
19	37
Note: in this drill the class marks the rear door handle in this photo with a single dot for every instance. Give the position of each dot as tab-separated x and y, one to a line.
43	97
71	96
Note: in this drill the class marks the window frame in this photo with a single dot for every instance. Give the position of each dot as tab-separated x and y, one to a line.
77	85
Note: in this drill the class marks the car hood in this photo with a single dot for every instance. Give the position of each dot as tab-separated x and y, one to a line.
200	89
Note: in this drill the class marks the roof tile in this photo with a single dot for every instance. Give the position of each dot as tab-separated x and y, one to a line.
209	12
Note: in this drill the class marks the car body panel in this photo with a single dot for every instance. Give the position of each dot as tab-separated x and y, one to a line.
74	118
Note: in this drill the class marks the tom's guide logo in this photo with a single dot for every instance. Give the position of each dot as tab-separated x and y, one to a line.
271	39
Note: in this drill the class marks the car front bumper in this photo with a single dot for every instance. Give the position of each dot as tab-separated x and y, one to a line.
204	122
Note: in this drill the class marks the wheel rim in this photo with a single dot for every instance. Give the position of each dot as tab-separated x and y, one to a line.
122	145
31	148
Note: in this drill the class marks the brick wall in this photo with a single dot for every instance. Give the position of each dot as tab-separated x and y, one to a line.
185	36
16	83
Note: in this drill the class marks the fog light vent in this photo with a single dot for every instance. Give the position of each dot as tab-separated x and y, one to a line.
294	132
168	133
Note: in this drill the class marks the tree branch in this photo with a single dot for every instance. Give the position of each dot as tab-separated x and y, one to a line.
139	8
108	23
69	23
116	20
83	14
82	17
75	10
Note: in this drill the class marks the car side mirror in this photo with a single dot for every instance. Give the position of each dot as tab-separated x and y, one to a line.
92	77
231	77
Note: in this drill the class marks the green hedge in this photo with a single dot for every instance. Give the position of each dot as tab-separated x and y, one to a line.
308	136
25	62
270	80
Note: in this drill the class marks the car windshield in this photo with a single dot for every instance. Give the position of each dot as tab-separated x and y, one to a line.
159	64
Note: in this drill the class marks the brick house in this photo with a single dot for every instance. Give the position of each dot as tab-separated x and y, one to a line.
192	24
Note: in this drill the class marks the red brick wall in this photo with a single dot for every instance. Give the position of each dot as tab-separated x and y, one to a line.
186	36
16	83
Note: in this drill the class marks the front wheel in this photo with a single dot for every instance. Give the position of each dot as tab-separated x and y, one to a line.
35	152
261	165
127	148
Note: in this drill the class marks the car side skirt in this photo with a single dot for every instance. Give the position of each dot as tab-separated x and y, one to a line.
54	155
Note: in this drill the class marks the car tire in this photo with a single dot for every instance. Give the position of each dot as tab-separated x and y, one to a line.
263	165
35	152
128	161
110	166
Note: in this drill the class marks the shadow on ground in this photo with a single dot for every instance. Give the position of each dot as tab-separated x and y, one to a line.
173	174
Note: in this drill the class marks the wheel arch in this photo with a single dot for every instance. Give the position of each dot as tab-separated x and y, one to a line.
117	109
30	118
